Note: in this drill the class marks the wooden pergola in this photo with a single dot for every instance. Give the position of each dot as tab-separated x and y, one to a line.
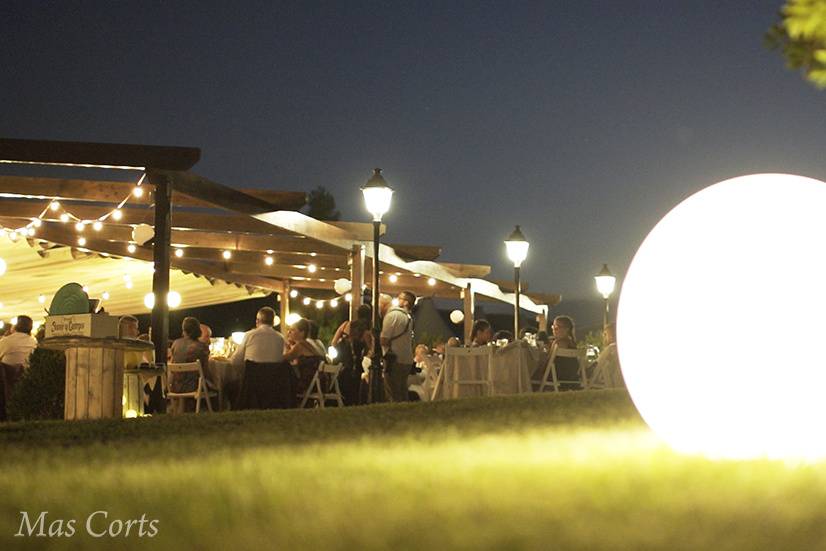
251	238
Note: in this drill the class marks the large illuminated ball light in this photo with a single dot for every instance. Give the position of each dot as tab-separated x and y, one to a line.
713	313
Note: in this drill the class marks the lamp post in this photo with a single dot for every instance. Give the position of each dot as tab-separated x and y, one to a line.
517	248
377	196
605	281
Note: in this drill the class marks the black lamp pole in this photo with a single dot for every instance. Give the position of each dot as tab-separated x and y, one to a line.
375	392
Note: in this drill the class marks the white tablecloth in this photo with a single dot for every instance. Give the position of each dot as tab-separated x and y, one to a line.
512	368
224	376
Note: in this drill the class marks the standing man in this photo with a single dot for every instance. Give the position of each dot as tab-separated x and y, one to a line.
397	345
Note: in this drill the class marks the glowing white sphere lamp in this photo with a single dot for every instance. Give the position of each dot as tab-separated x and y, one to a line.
457	316
149	300
173	299
292	318
731	265
342	285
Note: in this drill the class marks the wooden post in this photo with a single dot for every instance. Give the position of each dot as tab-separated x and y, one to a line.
356	278
160	256
285	305
468	304
542	320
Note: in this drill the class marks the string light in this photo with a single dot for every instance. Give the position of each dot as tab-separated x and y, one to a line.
30	232
138	191
179	253
41	299
105	295
131	248
37	222
306	301
268	260
431	281
393	278
227	255
80	226
293	293
312	268
348	297
97	225
319	304
81	241
334	303
54	206
64	217
117	214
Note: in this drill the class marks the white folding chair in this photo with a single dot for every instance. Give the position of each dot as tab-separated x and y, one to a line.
550	369
424	387
316	392
477	364
203	391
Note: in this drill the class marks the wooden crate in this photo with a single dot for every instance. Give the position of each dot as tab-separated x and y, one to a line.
94	383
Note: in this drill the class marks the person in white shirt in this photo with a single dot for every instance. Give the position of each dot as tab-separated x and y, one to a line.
608	360
261	345
17	347
15	350
397	336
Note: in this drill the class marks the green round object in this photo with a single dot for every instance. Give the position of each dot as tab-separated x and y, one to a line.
69	299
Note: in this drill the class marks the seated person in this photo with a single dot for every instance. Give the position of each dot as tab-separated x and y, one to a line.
312	338
206	334
503	335
481	334
261	345
453	341
420	357
188	348
567	369
608	360
15	350
302	355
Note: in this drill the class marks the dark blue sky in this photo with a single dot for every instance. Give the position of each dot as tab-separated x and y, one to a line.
584	122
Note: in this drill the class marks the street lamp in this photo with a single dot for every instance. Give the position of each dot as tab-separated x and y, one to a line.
377	196
517	248
605	285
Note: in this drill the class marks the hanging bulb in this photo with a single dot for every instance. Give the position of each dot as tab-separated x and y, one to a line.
138	191
117	214
179	253
97	225
227	255
80	226
64	217
293	293
268	260
131	248
37	222
54	205
306	301
81	241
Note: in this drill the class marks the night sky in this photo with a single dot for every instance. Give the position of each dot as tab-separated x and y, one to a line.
585	122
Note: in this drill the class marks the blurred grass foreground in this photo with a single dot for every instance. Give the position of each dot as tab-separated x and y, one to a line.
570	471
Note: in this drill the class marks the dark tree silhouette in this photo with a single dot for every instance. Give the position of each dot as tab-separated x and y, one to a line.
321	205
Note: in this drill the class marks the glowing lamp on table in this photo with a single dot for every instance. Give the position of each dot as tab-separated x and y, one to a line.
707	314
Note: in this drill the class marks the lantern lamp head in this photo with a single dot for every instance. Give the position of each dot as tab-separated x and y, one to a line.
606	281
517	247
377	195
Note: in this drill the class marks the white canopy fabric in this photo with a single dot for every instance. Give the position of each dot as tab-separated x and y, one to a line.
29	275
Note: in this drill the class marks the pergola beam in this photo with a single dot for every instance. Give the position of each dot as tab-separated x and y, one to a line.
103	155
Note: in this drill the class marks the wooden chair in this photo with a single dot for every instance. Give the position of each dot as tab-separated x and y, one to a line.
203	390
478	361
550	370
316	391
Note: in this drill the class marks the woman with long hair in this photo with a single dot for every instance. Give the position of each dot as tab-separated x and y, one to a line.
567	369
302	355
353	341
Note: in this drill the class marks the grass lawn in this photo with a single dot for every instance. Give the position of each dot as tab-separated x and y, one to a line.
573	471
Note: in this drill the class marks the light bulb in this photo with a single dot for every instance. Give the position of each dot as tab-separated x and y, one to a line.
293	293
80	226
64	217
117	214
138	191
268	260
431	281
179	253
393	278
227	255
306	301
81	241
54	205
105	295
131	248
334	303
37	222
97	225
319	304
41	299
348	297
312	268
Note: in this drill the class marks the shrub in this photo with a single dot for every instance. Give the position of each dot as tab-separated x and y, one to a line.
39	392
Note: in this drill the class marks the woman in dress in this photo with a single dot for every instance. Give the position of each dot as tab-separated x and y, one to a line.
353	341
187	349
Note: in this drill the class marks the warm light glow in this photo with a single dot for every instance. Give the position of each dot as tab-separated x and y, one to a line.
741	258
117	214
319	304
348	297
41	299
85	289
13	236
517	247
276	321
377	197
138	191
179	253
394	302
457	316
131	414
268	260
227	255
605	281
431	281
292	318
332	352
54	205
237	337
30	232
306	301
128	284
105	295
173	299
37	222
81	241
334	303
80	226
393	278
64	217
2	324
312	268
131	248
149	300
293	293
97	225
13	320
